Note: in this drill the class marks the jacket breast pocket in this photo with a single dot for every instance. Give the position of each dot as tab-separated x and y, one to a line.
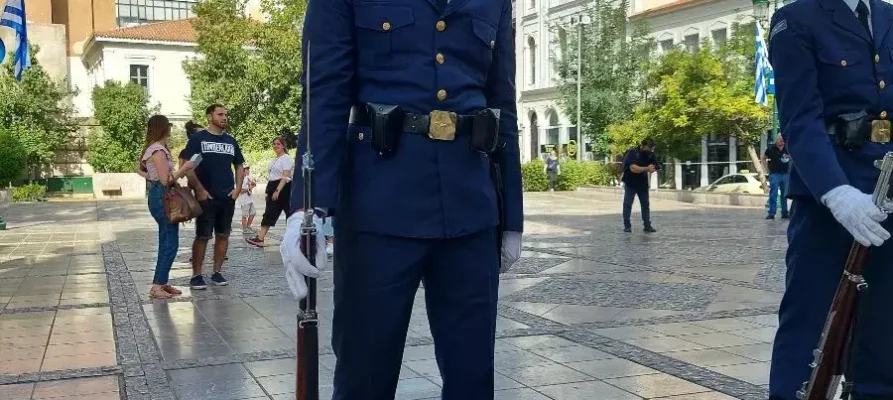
486	40
840	69
381	34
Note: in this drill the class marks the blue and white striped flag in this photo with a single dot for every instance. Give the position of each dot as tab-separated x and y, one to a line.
763	70
13	17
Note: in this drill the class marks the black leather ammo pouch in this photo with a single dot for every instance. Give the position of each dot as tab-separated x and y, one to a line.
386	122
485	130
851	130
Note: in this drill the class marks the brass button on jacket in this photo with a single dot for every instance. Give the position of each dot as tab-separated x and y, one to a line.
441	94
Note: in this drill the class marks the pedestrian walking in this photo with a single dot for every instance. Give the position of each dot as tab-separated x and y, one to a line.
246	201
553	169
832	65
637	164
430	90
158	166
216	190
278	191
776	160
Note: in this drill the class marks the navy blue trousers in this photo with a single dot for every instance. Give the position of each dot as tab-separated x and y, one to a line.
629	194
817	250
376	281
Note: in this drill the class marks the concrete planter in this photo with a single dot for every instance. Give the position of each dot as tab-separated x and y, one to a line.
119	186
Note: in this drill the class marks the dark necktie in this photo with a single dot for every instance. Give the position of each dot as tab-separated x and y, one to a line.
862	12
441	5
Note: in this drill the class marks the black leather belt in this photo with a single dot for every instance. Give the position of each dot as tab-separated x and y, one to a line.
418	124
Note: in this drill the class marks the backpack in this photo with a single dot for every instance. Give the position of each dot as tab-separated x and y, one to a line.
180	205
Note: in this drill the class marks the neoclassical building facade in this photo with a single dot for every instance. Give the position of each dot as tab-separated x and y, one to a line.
543	25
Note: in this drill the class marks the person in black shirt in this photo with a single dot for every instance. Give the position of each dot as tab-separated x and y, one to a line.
778	162
637	163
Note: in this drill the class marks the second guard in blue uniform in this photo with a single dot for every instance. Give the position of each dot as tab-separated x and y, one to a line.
412	110
833	62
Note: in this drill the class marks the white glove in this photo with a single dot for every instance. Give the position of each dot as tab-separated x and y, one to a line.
858	214
296	264
511	250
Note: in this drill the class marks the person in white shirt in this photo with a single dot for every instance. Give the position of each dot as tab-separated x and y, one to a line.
246	202
278	191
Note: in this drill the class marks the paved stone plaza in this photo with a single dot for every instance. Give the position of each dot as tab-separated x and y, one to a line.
588	313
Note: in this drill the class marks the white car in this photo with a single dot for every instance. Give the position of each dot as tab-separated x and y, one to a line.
745	182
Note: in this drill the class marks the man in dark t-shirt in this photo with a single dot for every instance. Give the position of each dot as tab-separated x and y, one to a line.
777	161
215	189
637	163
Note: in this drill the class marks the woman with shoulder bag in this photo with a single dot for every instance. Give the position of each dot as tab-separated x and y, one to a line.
158	164
278	191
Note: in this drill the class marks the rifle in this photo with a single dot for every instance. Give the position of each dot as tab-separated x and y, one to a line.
307	372
829	365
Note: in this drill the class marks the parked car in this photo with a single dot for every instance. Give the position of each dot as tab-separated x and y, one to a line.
744	182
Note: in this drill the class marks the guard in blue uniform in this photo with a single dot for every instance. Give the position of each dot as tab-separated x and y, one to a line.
413	129
833	63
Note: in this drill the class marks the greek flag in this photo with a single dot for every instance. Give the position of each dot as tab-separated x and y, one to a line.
13	17
763	70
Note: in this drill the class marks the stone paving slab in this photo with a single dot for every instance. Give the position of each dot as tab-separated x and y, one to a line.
588	312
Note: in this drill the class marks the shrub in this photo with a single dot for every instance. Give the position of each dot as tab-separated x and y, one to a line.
533	176
13	157
573	175
32	192
121	111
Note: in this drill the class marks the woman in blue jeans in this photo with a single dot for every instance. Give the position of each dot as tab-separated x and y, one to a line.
158	165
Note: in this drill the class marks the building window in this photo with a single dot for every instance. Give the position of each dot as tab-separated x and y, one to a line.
691	42
666	45
531	4
135	12
719	37
139	74
531	48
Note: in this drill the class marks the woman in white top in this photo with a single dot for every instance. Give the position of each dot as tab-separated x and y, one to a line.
278	193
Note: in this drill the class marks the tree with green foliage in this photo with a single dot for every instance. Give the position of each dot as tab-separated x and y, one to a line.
121	111
251	67
36	117
615	59
697	92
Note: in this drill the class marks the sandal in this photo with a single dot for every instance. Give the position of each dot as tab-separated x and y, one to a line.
255	241
172	290
158	292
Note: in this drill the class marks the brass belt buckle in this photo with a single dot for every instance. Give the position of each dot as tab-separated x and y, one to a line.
880	131
442	125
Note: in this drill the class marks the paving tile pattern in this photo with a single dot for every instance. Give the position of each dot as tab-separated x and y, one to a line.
588	312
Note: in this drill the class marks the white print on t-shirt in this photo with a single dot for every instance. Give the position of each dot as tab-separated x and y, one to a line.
220	148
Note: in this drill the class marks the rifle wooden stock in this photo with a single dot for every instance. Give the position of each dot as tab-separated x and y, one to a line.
831	355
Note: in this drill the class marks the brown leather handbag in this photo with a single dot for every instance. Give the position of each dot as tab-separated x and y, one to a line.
180	205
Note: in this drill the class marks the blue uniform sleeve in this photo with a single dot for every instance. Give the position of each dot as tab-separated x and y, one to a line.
500	92
329	39
792	53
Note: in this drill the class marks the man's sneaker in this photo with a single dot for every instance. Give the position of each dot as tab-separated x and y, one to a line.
628	229
198	283
218	279
649	229
330	249
785	216
771	217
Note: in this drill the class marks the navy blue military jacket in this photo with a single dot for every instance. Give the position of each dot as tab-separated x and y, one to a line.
407	53
826	64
